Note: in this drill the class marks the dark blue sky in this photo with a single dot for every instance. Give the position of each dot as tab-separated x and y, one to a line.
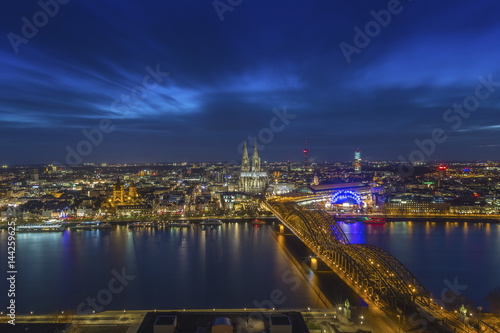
226	78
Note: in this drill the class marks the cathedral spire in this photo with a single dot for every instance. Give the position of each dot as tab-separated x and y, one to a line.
255	159
255	150
245	161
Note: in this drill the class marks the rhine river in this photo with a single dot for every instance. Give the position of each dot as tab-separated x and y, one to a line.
235	265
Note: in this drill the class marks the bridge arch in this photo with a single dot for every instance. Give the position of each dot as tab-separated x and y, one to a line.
375	272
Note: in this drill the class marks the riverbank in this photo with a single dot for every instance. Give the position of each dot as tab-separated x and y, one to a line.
426	218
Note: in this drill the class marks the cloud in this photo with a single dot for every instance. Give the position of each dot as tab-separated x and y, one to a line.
226	77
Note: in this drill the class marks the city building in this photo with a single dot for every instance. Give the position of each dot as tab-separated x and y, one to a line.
357	160
252	179
403	206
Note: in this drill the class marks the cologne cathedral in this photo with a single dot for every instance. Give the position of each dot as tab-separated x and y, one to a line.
252	179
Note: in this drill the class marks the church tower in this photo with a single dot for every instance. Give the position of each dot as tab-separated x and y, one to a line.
132	192
255	159
245	162
118	190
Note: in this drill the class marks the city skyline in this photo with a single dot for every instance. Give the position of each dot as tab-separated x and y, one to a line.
191	82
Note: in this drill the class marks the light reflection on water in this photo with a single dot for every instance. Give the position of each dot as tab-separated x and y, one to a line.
230	266
436	251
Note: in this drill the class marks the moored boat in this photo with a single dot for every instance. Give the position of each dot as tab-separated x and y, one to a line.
92	225
375	220
46	227
180	224
150	224
211	222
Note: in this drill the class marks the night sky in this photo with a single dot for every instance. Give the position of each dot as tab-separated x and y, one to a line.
233	68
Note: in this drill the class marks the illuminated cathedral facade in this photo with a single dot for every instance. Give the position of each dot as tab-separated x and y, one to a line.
252	179
121	196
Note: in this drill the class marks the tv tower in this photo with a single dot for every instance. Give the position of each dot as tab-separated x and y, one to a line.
305	156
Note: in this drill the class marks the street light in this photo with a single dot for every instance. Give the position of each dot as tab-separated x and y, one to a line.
399	326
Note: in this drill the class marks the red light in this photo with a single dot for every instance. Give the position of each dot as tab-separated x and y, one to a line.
442	167
476	195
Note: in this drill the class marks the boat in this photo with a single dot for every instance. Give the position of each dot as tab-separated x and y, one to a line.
211	222
92	225
349	221
258	222
150	224
182	224
375	220
46	227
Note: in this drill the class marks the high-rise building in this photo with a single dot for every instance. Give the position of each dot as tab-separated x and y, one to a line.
252	179
357	160
442	174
